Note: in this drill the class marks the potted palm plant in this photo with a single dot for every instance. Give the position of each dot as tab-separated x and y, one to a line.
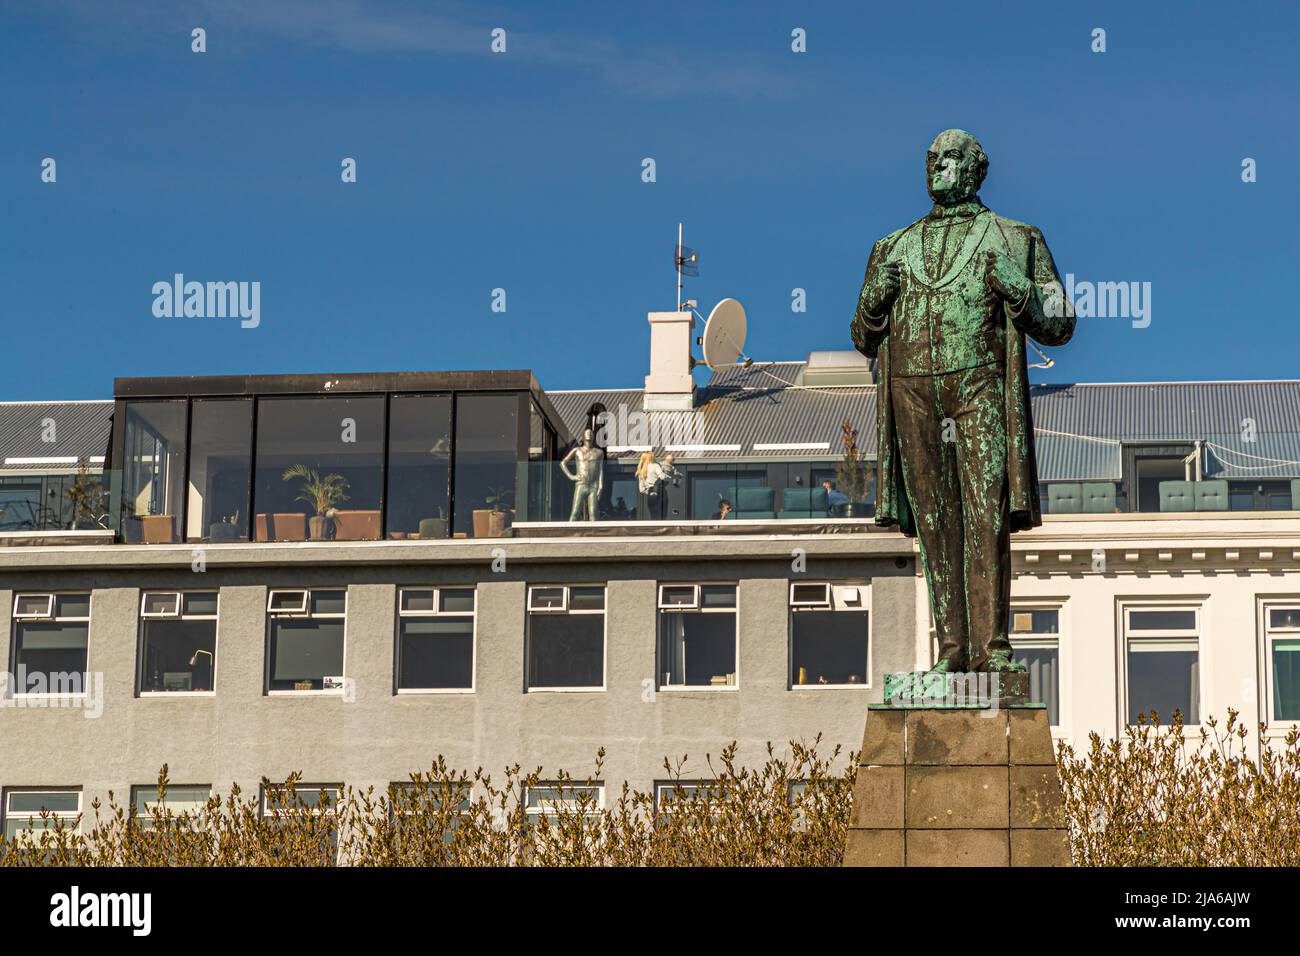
322	493
853	475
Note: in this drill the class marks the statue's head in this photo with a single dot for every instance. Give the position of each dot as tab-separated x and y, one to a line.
955	165
588	437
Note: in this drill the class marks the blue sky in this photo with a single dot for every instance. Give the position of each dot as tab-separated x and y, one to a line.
522	171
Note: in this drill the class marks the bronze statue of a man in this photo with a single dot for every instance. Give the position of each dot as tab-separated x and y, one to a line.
945	308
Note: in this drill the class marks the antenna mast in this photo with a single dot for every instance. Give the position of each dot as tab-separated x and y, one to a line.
679	270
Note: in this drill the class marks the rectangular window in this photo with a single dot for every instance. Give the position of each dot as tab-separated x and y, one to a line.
699	640
22	809
435	639
153	472
566	638
221	469
419	462
51	643
178	642
1282	633
306	646
829	628
487	459
1163	661
320	467
179	799
314	800
544	798
1035	643
670	793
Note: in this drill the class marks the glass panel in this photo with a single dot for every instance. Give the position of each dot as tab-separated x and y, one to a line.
543	797
33	604
1163	681
697	649
435	653
306	798
456	599
201	602
1162	620
162	602
1284	617
72	605
1286	680
678	594
709	489
587	599
34	801
486	460
566	651
1027	621
829	647
1043	664
178	655
220	469
319	468
153	472
547	598
417	599
288	601
23	506
178	799
328	602
419	458
718	595
50	657
305	652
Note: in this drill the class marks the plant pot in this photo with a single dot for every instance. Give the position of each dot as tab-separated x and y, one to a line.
497	524
859	509
318	527
482	522
433	528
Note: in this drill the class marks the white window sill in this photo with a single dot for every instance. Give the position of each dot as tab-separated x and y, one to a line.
305	693
426	691
177	693
699	688
566	690
830	687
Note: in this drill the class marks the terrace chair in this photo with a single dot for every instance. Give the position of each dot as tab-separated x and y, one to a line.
1177	496
1211	495
754	503
1064	498
804	503
1098	497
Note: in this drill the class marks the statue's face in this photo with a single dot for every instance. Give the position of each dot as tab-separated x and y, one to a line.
587	437
954	167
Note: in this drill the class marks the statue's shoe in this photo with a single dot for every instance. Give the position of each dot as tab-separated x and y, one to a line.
946	666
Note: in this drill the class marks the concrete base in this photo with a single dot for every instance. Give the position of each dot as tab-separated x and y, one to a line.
957	787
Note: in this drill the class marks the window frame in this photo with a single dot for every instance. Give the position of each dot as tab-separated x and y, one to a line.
269	814
180	615
697	608
49	606
397	638
1165	636
1031	641
565	611
144	820
308	615
53	617
9	792
1275	726
832	604
531	813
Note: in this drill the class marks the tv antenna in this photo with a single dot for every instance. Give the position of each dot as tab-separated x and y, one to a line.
687	263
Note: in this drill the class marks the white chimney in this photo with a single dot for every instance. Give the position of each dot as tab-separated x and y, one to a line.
669	387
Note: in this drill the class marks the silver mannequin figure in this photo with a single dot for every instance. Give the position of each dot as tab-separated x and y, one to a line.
589	478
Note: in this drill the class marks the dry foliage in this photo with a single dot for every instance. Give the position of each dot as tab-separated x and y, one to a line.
789	812
1166	797
1159	797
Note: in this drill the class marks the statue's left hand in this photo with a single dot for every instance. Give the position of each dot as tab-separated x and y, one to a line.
1005	276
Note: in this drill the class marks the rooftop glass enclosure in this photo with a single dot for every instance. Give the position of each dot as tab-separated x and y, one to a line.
307	457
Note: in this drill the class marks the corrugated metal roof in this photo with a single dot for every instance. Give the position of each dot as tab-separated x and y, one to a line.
79	430
739	409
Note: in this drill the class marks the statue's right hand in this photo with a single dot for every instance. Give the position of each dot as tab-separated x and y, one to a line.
889	279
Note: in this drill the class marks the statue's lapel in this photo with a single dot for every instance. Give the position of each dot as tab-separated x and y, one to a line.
916	262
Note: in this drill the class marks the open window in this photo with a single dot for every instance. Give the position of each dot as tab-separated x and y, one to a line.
33	607
830	628
160	604
287	602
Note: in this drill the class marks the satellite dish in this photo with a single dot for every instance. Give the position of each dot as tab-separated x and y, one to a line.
724	334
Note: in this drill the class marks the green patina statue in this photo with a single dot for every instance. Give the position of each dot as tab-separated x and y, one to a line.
945	308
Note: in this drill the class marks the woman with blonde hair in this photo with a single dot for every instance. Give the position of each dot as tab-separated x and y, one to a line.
649	476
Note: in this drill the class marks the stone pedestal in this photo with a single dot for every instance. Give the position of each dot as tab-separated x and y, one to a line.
942	786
